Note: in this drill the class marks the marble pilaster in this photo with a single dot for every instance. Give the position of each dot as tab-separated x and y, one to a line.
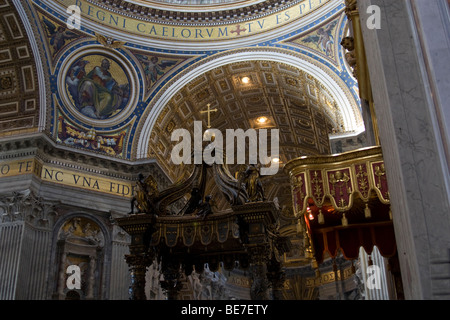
414	142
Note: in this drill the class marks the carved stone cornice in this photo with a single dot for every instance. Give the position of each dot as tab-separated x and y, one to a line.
48	151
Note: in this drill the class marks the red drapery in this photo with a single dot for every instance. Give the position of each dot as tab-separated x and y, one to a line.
331	237
349	239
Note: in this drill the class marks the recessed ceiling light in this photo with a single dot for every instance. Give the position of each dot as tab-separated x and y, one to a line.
262	120
209	135
245	80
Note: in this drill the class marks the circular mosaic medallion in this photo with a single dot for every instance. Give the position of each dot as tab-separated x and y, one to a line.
98	87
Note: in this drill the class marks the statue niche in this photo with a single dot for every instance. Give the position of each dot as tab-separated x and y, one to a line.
80	243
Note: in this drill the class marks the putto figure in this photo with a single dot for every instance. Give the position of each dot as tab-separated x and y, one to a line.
58	35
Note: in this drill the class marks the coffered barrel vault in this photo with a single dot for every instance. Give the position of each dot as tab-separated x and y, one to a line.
294	102
311	86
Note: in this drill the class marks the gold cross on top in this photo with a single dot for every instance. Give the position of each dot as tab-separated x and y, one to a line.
209	114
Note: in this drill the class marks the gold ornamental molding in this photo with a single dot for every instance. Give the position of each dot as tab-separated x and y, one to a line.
337	179
330	277
177	30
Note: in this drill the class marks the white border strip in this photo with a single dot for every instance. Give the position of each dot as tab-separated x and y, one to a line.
39	67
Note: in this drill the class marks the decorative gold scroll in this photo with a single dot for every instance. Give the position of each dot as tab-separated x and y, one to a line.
337	179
